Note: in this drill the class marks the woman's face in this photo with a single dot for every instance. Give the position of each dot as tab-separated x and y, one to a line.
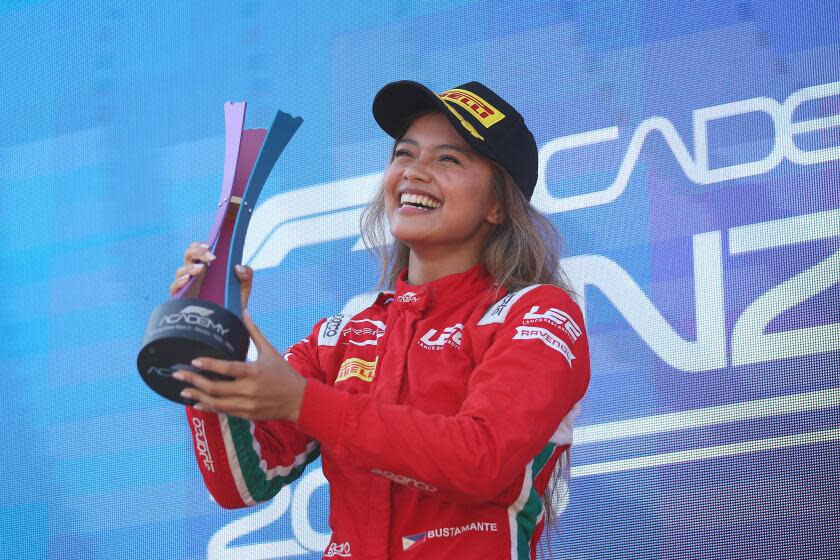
438	190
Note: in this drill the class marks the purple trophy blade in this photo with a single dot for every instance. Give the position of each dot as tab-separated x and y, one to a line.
215	282
234	125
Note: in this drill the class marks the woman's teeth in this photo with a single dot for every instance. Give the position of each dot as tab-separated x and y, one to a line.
418	200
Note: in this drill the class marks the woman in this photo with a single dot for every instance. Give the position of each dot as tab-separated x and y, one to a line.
440	411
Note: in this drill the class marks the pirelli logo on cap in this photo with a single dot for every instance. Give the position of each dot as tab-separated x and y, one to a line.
358	368
485	113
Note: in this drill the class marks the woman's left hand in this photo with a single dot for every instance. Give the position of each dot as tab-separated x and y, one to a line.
267	389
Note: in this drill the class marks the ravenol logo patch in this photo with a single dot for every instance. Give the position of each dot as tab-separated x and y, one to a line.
413	540
485	113
546	337
358	368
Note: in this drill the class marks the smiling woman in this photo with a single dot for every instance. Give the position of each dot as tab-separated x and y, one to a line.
443	412
432	164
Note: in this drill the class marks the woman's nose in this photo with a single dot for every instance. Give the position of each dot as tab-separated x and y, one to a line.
416	172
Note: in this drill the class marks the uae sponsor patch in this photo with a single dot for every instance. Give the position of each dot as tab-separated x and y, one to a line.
553	316
358	368
434	340
546	337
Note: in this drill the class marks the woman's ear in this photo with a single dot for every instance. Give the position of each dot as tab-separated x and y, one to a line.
496	215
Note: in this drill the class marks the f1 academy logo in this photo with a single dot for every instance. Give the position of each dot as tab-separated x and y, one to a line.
194	315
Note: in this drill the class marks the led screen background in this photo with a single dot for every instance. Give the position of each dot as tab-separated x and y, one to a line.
689	155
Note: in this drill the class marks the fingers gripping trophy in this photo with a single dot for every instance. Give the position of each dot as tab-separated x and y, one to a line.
204	316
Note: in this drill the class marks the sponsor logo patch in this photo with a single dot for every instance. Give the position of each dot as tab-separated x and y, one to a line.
358	368
410	541
201	443
450	335
546	337
408	297
485	113
405	480
499	311
342	550
331	329
366	332
555	317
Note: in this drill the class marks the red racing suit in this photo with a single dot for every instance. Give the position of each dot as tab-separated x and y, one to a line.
439	413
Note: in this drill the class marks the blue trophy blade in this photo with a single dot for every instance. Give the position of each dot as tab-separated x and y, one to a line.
281	131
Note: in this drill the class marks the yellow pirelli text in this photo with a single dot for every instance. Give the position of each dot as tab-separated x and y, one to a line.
358	368
481	109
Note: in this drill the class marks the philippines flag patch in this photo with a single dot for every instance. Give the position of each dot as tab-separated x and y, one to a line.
412	540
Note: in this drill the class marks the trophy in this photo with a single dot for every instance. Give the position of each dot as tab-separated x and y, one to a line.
182	328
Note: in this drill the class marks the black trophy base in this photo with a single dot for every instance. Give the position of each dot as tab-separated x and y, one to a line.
181	330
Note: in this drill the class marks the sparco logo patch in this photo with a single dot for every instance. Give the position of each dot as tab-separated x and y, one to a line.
547	337
342	550
555	317
450	335
358	368
201	443
194	315
405	480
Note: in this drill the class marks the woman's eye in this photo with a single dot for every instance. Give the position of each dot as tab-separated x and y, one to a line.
449	158
401	153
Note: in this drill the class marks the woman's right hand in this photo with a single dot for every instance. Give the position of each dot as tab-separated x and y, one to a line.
197	258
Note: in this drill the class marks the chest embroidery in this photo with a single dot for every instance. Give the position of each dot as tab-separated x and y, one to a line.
358	368
449	336
363	332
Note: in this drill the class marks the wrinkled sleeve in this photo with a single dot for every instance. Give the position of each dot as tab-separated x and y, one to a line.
519	398
244	462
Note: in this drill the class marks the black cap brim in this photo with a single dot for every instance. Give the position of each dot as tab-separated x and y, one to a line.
397	102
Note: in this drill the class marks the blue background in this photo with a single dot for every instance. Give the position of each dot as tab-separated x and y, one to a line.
111	147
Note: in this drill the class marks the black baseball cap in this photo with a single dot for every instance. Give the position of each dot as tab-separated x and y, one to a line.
486	121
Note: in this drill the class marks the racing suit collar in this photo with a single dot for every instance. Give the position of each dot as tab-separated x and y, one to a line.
454	287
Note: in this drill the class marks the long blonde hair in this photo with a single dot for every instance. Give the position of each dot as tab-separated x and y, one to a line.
520	251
